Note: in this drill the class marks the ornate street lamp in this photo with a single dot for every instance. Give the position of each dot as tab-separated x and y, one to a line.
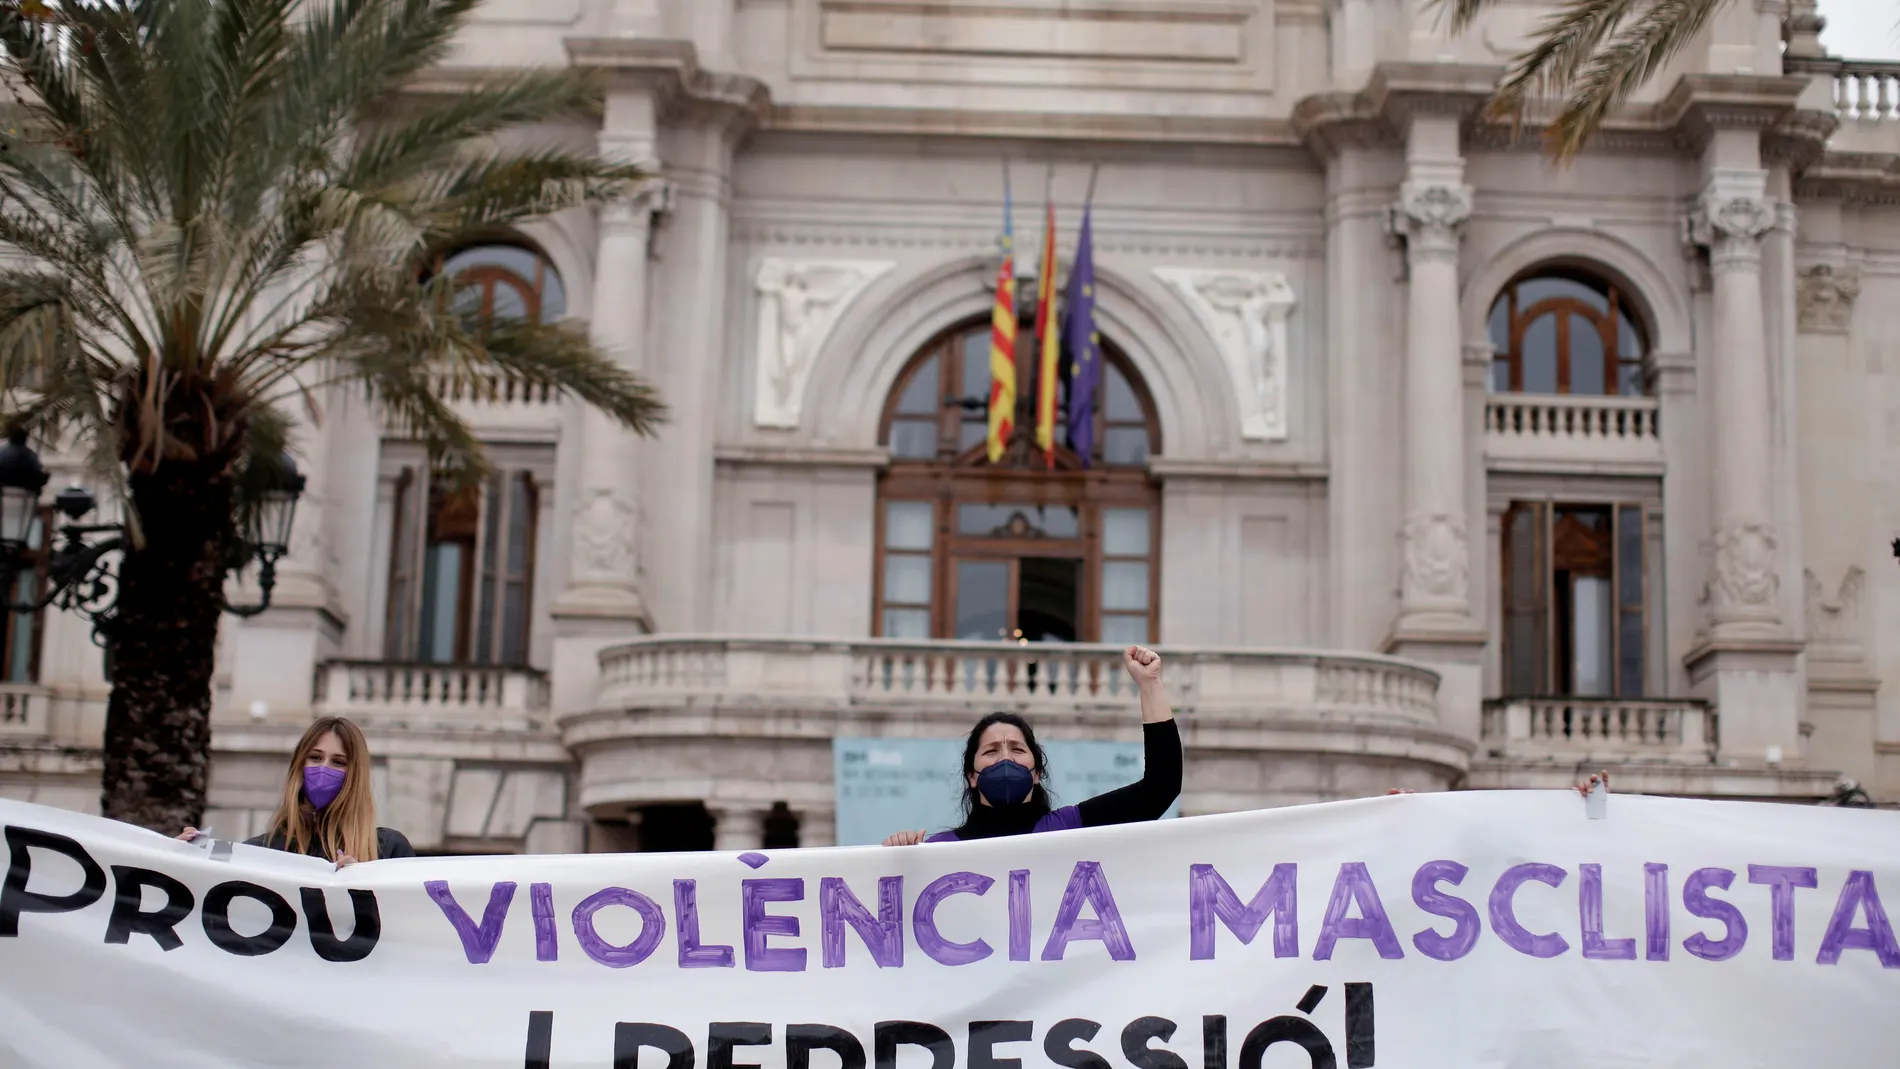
79	578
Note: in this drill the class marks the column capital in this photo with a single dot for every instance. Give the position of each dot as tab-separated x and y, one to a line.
1431	215
637	204
1730	224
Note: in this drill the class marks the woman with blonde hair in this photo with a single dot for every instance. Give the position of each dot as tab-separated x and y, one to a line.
327	809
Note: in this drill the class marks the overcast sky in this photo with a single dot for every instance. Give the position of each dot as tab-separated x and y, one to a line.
1862	29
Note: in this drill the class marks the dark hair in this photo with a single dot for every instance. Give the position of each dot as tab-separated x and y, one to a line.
1038	800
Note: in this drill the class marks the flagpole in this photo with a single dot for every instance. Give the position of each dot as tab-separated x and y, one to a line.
1089	197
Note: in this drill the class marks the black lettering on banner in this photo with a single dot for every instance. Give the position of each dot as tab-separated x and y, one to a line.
1298	1031
1359	1032
1143	1031
217	919
889	1035
15	899
984	1035
128	895
1059	1044
802	1039
541	1040
1214	1041
723	1036
365	929
629	1038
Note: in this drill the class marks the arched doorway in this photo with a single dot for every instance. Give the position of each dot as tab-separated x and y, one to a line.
1017	550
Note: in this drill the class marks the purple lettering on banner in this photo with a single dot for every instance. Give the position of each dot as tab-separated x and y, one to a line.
693	954
1590	916
1858	894
1087	885
1504	910
883	934
1782	881
1695	899
541	905
652	927
1656	911
478	943
758	925
1210	898
1354	886
1429	898
923	919
1019	914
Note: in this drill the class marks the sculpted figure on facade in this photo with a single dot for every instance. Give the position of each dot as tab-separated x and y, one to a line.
1825	297
1436	561
800	301
1836	626
1245	312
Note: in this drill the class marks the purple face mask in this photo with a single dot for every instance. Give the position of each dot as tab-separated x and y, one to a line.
321	784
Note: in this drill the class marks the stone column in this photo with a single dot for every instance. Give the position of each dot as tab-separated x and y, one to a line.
1434	585
602	601
1435	623
1730	219
737	826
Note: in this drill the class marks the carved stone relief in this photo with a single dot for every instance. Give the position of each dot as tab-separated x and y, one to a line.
1245	313
1825	297
1836	624
1742	579
605	536
800	301
1436	561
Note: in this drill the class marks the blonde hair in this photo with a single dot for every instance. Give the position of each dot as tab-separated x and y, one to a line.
348	824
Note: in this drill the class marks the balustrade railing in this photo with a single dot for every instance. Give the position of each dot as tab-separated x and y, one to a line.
1580	728
22	709
471	696
1559	428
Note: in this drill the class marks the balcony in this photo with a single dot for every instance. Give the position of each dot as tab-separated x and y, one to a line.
689	718
22	709
451	697
1611	730
500	407
1559	432
1864	95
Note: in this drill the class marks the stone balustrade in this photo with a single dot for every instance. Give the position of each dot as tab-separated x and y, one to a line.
389	694
1863	94
1542	432
23	709
1600	729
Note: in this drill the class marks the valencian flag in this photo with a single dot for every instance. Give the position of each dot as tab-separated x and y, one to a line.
1048	344
1003	341
1084	345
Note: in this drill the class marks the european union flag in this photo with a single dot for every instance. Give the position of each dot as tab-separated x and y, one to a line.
1084	346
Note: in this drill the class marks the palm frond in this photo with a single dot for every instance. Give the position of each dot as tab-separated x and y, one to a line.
1633	58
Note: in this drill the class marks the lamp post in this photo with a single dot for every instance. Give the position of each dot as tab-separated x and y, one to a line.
79	578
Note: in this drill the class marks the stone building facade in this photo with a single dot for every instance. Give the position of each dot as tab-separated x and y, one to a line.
1428	463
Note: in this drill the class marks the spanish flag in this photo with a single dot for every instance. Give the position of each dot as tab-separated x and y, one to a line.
1048	344
1003	342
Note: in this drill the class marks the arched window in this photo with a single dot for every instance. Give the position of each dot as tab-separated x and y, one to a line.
1559	330
505	282
1017	550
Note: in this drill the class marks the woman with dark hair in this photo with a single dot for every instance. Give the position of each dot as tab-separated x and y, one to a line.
1004	768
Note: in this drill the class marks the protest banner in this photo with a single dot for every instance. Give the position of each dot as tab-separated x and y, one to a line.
1451	931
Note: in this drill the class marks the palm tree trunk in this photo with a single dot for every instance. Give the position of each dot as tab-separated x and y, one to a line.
163	642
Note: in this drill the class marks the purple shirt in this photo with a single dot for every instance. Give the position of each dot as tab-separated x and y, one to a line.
1068	818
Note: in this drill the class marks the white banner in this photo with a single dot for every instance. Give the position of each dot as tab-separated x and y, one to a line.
1442	931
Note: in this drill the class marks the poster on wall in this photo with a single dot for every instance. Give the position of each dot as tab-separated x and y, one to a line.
888	785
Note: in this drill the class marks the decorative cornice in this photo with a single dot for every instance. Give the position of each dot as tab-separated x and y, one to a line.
671	69
1247	130
1700	104
1855	179
1395	95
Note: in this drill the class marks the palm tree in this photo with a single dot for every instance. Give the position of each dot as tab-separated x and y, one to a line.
212	214
1592	53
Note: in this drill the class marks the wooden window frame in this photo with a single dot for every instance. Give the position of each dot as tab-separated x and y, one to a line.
41	560
415	522
1545	517
1567	310
962	475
